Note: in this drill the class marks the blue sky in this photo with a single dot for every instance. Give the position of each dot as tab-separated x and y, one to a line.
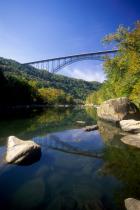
39	29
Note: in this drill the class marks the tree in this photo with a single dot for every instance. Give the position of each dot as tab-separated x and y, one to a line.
123	71
55	96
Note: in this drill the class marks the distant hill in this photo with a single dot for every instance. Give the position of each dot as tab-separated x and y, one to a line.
77	88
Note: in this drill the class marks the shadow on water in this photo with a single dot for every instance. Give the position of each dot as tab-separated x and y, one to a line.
63	178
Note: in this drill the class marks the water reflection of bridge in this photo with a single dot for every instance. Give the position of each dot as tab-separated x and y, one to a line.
53	142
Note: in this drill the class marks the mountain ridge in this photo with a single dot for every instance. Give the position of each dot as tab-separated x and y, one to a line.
77	88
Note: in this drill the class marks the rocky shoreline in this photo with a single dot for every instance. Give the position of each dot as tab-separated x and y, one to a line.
121	111
116	111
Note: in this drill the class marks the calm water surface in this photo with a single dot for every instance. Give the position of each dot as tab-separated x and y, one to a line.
62	180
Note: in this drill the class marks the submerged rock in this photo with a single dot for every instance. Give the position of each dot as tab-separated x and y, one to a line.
91	128
22	152
63	203
94	204
132	204
132	140
116	109
29	195
130	125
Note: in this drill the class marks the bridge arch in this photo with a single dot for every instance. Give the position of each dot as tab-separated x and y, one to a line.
55	64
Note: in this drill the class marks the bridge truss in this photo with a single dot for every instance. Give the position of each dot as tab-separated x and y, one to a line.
55	64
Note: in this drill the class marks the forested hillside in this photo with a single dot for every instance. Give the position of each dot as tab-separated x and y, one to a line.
123	71
20	84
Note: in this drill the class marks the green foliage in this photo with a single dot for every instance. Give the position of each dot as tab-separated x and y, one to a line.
55	96
22	85
16	91
122	71
77	88
135	94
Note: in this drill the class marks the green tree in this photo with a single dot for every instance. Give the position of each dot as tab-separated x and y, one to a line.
122	71
55	96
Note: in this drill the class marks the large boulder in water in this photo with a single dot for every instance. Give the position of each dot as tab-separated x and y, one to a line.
22	152
130	125
132	204
132	140
116	109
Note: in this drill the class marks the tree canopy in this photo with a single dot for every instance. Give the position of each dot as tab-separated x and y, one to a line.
122	71
23	84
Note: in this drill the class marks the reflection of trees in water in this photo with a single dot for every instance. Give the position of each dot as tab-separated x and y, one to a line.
21	126
50	120
109	132
92	112
124	163
121	161
55	120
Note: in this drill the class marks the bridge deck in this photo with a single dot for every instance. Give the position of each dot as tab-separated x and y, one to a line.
72	56
53	65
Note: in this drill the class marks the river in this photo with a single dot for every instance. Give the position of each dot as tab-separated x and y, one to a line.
62	180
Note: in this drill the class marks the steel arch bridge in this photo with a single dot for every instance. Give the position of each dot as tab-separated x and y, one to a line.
53	65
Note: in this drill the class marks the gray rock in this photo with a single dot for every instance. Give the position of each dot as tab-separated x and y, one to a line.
91	128
22	152
132	204
130	125
80	122
116	109
132	140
